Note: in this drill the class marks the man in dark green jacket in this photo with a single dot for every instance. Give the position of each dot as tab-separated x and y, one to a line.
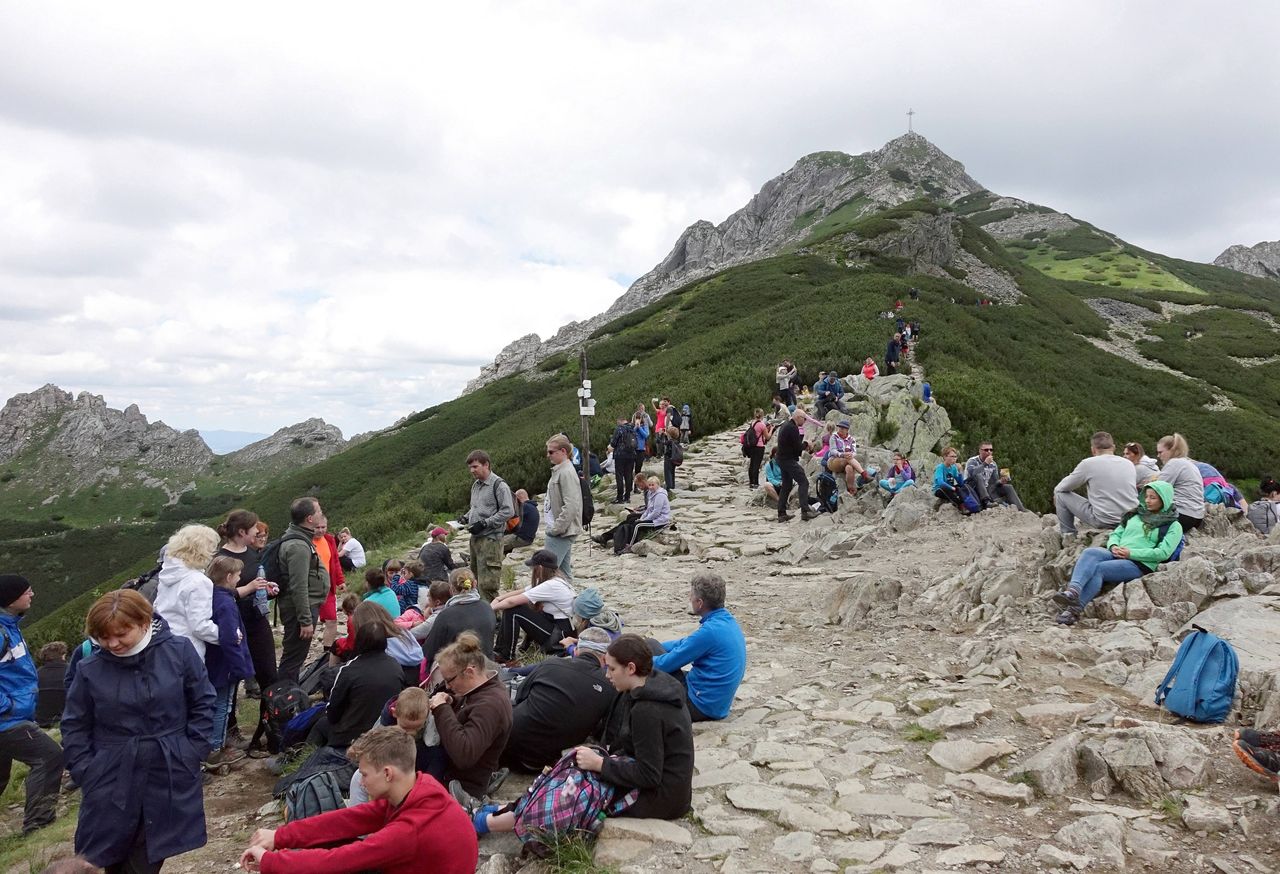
305	584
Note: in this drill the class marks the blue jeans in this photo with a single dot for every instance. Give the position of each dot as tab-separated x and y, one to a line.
1097	566
893	487
221	707
563	549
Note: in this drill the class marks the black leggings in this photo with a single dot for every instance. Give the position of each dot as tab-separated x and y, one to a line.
624	471
136	862
951	495
1188	523
756	456
538	627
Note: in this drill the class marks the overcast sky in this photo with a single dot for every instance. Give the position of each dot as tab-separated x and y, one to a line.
242	215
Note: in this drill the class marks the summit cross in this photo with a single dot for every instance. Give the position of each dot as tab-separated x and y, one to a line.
910	112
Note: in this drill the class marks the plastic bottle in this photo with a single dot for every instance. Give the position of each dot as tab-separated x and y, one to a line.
260	596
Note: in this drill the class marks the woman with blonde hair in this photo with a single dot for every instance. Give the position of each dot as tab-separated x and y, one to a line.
137	725
1179	471
473	715
464	611
184	596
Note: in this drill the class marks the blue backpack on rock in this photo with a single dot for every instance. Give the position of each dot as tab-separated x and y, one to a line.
1201	682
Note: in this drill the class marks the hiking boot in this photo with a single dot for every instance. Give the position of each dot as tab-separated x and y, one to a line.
468	802
496	780
252	689
224	757
785	517
1067	617
1260	752
236	740
1069	598
806	515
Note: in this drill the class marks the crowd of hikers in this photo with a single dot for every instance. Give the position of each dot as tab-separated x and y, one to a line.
390	738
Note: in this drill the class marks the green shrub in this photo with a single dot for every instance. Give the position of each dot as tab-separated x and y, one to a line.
899	175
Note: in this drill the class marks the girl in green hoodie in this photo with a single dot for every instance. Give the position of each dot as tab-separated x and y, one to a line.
1135	548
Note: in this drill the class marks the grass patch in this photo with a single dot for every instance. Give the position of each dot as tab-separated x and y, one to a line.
1171	806
917	733
296	758
35	851
1026	779
573	855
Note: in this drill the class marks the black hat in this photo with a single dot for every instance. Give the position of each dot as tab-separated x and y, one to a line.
543	558
12	587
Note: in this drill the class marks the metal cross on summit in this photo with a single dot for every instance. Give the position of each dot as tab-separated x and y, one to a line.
910	112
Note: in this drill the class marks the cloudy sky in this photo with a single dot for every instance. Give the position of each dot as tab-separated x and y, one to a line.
242	215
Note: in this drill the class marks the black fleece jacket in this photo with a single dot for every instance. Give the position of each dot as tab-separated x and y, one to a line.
557	706
651	725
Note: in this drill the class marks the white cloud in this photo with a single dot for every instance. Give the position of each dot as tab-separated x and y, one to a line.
244	215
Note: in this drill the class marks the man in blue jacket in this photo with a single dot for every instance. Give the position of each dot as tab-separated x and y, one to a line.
20	737
717	653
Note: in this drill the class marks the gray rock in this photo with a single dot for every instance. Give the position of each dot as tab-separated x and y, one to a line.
970	854
796	846
1056	712
936	833
1192	579
908	508
864	852
1262	259
962	715
1053	857
966	755
1100	836
1053	770
874	804
1252	625
990	787
1199	815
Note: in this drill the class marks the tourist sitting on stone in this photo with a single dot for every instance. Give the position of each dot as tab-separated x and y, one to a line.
409	712
655	516
772	475
1259	751
1145	468
437	561
540	610
523	526
472	714
779	412
899	476
716	652
360	689
1188	482
401	644
1146	536
870	370
407	585
380	593
841	458
559	704
589	611
1264	513
989	483
464	611
829	391
410	825
1108	480
948	482
438	594
647	740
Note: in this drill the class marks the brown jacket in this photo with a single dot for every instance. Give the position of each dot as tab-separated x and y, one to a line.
473	731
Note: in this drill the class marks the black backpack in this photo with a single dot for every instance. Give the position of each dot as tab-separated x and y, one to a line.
275	571
281	702
677	454
827	494
588	501
145	585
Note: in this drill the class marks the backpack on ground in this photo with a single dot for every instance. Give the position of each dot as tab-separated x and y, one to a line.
315	794
281	702
275	571
311	680
828	495
565	801
145	585
296	729
968	498
1201	682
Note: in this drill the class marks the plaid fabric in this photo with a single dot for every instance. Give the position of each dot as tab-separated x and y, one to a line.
566	799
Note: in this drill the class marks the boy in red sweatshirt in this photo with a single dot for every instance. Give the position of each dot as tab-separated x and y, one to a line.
412	824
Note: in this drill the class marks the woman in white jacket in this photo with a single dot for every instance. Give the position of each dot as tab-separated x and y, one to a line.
185	595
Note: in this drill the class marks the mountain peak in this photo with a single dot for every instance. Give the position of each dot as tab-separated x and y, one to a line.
1261	260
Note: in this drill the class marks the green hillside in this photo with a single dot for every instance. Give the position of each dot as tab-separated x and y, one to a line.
1023	376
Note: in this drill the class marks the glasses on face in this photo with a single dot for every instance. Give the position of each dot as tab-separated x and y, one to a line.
986	450
449	681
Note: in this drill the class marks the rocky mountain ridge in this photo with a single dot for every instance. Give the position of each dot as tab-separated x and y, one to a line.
1262	260
54	442
785	212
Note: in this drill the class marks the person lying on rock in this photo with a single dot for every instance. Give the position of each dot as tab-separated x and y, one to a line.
1146	536
559	704
948	481
716	653
647	742
410	825
983	475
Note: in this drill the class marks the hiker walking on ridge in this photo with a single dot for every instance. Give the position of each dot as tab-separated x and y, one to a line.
790	448
492	504
564	504
892	355
20	737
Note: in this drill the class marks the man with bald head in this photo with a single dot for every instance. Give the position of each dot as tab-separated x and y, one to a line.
523	527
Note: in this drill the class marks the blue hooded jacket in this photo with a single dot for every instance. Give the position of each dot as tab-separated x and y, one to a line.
17	675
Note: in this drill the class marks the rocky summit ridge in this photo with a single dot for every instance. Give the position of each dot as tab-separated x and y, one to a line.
1262	260
784	213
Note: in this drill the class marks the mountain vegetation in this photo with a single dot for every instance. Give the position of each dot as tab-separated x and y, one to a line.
1035	377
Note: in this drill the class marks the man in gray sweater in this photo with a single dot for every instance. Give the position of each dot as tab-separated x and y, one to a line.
492	506
564	503
1109	485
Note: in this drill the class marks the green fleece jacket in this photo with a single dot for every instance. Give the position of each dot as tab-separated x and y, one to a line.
1144	544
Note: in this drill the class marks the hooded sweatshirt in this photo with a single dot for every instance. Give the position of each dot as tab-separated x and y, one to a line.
1143	541
650	740
185	599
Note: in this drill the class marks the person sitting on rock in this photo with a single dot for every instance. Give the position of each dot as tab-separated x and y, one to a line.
408	712
982	474
589	611
1259	751
647	740
526	520
1146	536
410	825
829	391
1264	513
540	610
948	481
438	594
772	475
655	516
1108	479
464	611
841	458
716	653
900	475
869	369
473	716
1145	468
559	704
1181	472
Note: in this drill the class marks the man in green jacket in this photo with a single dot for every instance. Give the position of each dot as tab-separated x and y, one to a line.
305	584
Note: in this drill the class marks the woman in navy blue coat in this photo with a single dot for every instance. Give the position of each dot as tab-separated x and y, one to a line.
136	728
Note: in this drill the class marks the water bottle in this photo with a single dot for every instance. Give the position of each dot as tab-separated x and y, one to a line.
260	596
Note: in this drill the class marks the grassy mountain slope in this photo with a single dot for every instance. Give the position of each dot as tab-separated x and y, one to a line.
1023	376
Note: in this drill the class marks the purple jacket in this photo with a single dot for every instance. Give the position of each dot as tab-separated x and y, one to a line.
228	660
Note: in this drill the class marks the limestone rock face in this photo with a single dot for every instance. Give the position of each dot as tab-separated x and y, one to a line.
304	443
1261	260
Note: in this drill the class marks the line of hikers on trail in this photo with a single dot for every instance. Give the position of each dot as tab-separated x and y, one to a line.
416	714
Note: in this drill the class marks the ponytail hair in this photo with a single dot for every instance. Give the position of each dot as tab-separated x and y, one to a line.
237	521
461	580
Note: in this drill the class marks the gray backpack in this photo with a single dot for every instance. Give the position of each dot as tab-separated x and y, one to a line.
315	794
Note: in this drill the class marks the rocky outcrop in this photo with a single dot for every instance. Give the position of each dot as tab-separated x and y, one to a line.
1261	260
783	213
301	444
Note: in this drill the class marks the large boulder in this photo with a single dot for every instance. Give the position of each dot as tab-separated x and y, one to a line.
917	427
852	600
1192	580
883	388
1251	624
908	508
